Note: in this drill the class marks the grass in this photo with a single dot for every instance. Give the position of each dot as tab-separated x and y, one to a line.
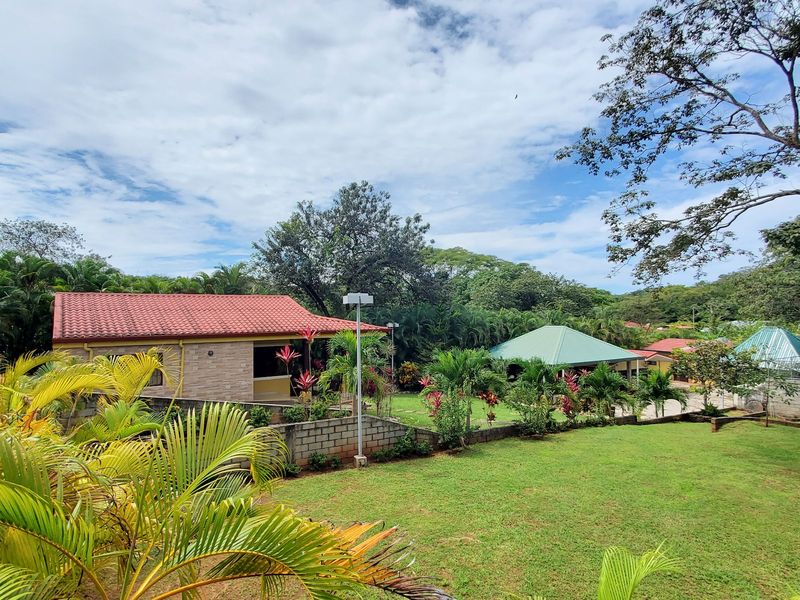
410	409
535	516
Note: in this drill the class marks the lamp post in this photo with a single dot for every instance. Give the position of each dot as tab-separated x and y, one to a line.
392	327
359	300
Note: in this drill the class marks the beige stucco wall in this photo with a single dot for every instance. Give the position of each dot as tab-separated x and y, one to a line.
225	375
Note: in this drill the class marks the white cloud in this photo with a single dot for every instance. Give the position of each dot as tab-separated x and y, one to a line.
242	108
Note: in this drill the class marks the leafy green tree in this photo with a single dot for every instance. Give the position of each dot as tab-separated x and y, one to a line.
714	366
356	244
675	88
26	298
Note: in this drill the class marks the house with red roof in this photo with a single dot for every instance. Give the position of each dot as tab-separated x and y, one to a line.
667	346
218	347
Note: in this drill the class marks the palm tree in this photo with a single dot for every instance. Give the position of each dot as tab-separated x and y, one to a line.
604	388
464	373
171	514
342	363
36	387
534	393
655	387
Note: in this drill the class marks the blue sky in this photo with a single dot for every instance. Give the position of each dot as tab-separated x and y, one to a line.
173	133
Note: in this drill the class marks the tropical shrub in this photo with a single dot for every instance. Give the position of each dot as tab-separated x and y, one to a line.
603	389
533	409
131	516
711	410
293	414
342	365
317	461
449	415
291	470
461	374
535	394
260	417
335	462
408	376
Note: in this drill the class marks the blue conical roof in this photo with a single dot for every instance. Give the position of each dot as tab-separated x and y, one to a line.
559	345
773	346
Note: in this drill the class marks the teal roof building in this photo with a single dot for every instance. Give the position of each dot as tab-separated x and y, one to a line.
774	347
560	345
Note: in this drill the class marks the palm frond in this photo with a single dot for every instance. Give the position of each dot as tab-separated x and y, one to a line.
622	572
16	583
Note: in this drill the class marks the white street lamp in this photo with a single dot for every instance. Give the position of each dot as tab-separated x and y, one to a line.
359	300
392	327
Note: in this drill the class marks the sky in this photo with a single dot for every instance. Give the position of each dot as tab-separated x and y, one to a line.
173	133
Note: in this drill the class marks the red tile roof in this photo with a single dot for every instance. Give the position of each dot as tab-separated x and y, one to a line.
667	345
102	316
647	354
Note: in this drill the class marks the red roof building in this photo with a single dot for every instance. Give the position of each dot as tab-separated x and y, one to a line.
215	347
668	345
101	316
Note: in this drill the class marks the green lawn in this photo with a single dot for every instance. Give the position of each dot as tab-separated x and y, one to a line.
410	409
534	516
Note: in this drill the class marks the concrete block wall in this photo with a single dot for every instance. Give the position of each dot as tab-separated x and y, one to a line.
339	437
224	376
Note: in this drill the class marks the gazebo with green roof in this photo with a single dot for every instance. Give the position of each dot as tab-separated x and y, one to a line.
774	347
560	345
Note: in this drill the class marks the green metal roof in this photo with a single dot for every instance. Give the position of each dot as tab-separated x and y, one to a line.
559	345
773	345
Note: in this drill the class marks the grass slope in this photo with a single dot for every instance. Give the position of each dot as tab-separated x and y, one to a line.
535	516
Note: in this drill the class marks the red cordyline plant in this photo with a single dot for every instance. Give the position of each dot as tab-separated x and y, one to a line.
426	381
308	334
491	399
305	381
434	400
286	355
568	401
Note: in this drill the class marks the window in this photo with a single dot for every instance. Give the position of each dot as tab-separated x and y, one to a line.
265	363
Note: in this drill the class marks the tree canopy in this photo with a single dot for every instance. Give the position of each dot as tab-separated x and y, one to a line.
357	244
43	239
697	76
